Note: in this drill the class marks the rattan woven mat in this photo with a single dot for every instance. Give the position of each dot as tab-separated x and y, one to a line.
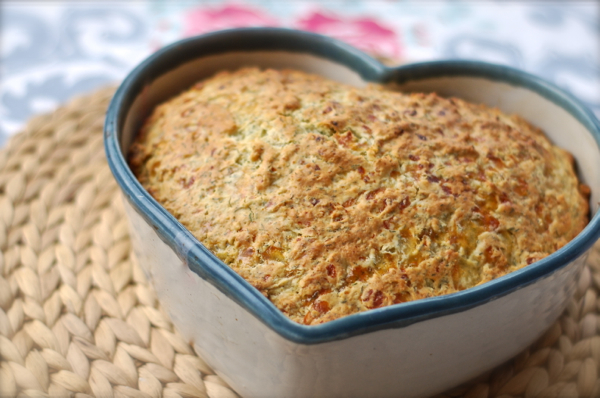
77	317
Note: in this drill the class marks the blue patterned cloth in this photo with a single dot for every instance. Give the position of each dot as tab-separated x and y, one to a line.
52	51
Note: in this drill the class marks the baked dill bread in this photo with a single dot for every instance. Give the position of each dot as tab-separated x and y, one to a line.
332	200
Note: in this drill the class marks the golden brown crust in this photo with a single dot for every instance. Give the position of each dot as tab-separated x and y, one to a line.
332	200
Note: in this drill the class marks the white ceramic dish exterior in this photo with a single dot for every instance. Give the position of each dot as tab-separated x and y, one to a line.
418	357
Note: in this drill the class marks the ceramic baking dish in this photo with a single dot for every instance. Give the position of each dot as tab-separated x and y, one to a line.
412	349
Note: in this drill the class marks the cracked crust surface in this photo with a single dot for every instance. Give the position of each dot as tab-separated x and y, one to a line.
332	200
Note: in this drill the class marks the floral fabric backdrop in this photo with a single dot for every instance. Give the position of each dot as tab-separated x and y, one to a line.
52	51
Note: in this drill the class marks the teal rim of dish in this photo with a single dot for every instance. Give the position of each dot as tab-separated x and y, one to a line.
208	267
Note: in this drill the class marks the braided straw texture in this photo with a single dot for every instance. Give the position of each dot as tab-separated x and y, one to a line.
77	317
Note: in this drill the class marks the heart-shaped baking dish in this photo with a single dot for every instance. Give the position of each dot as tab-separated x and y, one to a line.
412	349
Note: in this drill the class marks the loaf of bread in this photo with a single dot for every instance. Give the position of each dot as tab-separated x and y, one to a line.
332	200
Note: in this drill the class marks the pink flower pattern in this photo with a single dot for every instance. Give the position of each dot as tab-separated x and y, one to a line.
202	20
364	33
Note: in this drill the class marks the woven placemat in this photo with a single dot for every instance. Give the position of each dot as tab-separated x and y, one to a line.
77	317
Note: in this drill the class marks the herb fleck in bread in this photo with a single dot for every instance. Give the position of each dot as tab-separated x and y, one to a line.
332	200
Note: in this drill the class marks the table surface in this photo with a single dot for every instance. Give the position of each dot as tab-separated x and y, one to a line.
51	51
